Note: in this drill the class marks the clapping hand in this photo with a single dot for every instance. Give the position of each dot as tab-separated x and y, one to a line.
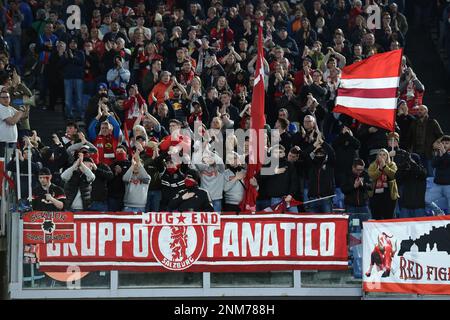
187	195
279	170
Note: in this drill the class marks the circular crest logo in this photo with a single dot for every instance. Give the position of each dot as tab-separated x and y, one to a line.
177	247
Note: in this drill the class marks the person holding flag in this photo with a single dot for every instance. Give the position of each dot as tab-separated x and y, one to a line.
368	90
256	143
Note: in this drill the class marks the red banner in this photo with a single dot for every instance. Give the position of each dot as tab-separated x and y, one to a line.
201	242
48	227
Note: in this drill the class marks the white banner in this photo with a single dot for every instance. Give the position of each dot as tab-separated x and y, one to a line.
407	255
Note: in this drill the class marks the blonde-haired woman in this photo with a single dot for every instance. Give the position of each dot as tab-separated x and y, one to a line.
384	193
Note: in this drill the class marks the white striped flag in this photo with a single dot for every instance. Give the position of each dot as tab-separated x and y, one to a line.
368	89
257	122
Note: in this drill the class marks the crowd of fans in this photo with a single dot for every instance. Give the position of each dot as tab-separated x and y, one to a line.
141	79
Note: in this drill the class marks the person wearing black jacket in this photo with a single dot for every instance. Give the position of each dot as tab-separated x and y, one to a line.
404	121
191	197
78	184
23	168
72	62
172	181
154	165
55	157
54	78
99	194
373	139
346	147
288	44
321	160
116	186
441	163
92	105
47	196
212	101
411	177
285	137
92	71
296	157
280	177
355	186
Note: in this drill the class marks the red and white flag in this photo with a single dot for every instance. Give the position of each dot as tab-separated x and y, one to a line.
368	89
282	206
257	122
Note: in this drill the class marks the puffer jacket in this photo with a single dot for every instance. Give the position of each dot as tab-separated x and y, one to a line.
390	169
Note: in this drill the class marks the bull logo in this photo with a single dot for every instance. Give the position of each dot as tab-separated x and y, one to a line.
382	255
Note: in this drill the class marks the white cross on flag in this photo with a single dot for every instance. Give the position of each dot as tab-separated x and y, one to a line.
368	89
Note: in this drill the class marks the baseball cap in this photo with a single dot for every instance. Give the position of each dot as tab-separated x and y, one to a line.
102	85
87	148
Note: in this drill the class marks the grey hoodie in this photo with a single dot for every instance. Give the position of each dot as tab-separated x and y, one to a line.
211	176
233	190
136	188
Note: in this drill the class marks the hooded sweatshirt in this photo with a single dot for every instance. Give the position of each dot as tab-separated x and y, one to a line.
233	190
136	188
211	176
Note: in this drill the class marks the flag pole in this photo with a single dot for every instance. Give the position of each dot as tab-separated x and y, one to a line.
318	199
19	191
29	174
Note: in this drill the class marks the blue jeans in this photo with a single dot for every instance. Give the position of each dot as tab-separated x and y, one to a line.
73	90
262	204
153	201
88	91
98	206
322	206
354	209
115	205
338	201
14	48
411	213
427	165
217	205
274	201
435	193
134	209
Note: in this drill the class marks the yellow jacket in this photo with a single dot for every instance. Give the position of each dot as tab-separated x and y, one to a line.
390	170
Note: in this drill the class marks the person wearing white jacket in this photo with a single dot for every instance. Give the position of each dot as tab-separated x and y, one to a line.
137	181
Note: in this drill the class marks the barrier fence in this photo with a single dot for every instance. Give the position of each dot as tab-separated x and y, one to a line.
198	254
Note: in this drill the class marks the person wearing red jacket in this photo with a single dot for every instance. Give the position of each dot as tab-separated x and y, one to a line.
107	140
223	33
176	138
411	90
134	106
186	73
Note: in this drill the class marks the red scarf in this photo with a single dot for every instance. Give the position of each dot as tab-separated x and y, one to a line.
381	181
